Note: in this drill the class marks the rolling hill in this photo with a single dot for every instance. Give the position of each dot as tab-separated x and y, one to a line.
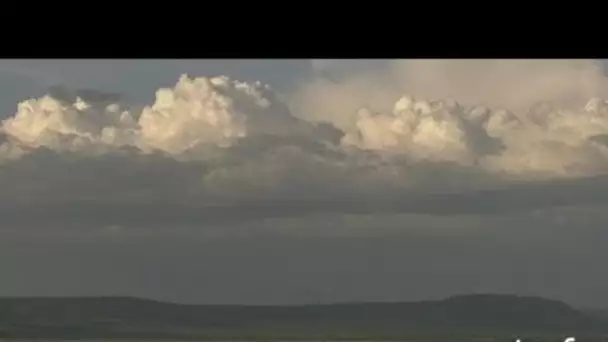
467	315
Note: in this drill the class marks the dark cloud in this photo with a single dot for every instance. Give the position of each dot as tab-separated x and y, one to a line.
134	190
63	93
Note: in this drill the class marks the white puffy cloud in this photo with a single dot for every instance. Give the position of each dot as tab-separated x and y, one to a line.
214	141
541	142
523	119
202	111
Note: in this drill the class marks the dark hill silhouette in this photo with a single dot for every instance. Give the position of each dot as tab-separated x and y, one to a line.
132	317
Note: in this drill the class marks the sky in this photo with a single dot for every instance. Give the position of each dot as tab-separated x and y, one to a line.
304	181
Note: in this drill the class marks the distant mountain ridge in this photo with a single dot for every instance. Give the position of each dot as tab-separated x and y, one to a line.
104	317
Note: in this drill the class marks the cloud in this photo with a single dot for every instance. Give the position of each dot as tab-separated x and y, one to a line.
516	118
516	84
513	84
541	142
213	149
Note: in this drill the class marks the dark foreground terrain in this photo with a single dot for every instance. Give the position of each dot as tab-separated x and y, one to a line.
465	318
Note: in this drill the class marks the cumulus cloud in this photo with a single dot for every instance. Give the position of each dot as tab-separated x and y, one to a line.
197	112
541	142
214	148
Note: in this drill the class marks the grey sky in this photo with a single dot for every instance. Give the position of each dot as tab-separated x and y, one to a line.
303	218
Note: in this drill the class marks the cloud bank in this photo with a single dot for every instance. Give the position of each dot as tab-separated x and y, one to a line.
437	137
